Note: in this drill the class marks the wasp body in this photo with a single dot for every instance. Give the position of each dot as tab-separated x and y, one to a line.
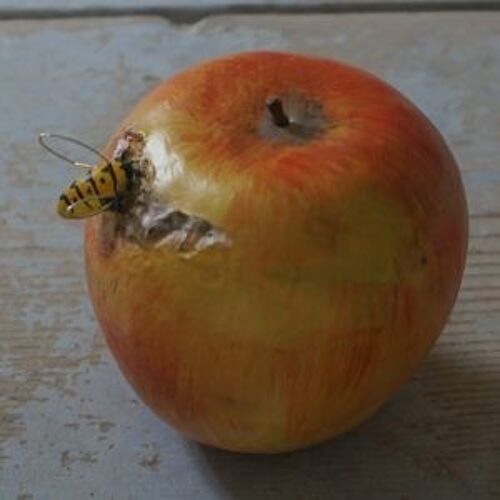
102	189
105	187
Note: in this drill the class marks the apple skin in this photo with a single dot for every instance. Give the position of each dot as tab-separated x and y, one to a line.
346	256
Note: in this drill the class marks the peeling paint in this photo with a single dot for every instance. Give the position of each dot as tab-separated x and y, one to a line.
151	462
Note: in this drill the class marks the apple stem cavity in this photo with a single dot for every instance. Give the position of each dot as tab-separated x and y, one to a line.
292	118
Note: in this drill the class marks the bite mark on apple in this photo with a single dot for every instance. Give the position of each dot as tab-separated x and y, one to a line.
150	220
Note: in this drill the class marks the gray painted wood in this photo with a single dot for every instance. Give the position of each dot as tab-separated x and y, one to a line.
70	427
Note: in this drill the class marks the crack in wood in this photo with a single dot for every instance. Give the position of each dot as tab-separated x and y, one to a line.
192	14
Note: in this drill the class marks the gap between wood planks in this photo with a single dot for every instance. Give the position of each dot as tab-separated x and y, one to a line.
191	14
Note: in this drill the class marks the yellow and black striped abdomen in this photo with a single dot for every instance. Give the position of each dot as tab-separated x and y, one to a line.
94	193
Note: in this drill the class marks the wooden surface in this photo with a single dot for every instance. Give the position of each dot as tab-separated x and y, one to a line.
187	11
70	427
228	4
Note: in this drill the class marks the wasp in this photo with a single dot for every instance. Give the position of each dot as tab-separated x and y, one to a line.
105	187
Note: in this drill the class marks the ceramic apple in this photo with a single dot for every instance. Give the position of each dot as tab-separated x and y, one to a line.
297	251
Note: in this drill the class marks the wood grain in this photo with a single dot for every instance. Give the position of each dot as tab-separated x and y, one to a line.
71	428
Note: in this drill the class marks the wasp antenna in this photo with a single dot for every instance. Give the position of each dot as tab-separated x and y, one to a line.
43	138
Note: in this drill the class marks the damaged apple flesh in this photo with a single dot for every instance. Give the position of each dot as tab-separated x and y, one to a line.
144	214
326	244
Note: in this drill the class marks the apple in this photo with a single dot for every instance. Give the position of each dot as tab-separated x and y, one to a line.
332	245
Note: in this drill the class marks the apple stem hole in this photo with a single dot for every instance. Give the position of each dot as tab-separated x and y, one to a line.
275	107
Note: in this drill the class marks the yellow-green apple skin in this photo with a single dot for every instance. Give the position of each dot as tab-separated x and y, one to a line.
345	255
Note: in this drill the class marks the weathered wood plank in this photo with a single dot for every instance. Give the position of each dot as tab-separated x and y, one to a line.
71	428
232	6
